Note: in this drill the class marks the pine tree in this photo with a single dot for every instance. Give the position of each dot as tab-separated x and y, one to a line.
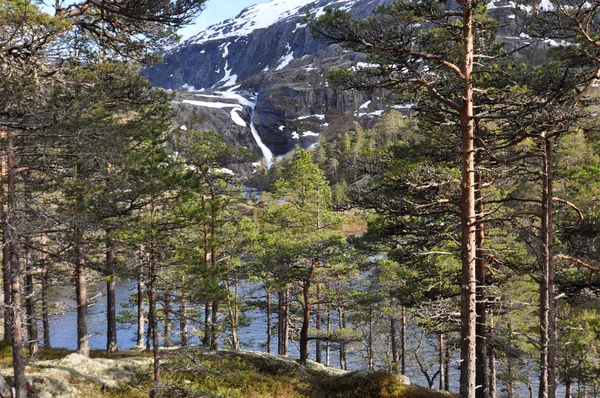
304	231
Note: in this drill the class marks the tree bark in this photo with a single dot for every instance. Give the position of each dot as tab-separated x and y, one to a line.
280	321
342	325
153	320
32	330
403	340
318	348
232	309
141	320
492	360
327	344
268	321
153	296
20	383
481	341
45	288
206	337
370	340
283	330
441	361
214	326
153	331
468	216
111	302
304	353
83	347
168	328
547	319
183	323
447	365
6	272
394	345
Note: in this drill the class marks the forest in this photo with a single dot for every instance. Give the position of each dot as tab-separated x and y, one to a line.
458	237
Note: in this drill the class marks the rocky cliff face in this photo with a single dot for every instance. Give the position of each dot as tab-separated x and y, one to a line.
261	39
266	64
260	78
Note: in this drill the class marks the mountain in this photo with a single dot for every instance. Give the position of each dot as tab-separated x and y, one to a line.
259	79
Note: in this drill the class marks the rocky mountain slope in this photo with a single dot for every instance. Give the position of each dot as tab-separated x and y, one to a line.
260	78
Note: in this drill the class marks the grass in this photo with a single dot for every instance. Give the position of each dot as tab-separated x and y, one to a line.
356	221
194	372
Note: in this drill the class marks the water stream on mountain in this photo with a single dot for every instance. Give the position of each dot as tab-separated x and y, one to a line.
267	154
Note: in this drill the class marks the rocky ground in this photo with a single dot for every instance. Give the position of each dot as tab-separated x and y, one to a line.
194	372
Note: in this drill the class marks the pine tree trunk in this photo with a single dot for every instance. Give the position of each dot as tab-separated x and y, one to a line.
83	347
236	316
19	383
6	272
447	370
268	321
283	323
342	325
214	326
32	330
318	348
141	320
111	305
547	327
468	216
481	341
45	288
206	342
327	344
370	342
286	322
492	360
280	321
168	328
153	332
232	309
394	345
304	353
442	365
403	340
152	298
183	323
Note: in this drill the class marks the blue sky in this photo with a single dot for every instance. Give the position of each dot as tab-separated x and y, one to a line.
214	11
217	11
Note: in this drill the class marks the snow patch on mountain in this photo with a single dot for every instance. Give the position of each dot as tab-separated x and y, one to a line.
237	119
261	16
375	113
225	48
286	59
321	117
228	79
206	104
310	134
